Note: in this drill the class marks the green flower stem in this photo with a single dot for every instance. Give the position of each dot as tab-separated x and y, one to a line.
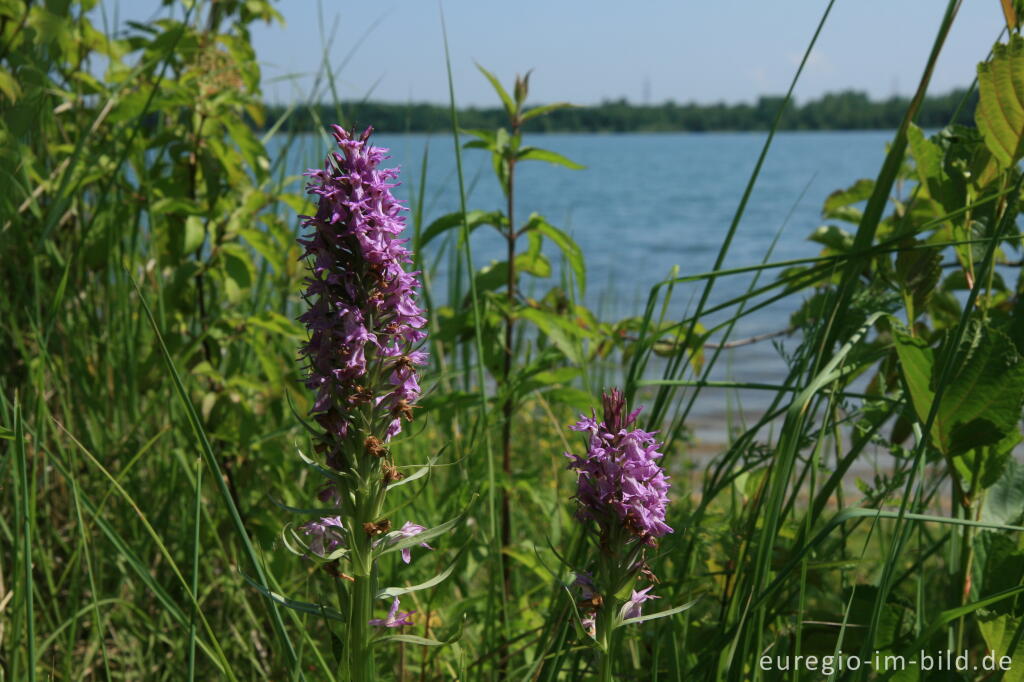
360	607
607	639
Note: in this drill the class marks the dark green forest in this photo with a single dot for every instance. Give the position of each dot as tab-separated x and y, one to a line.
849	110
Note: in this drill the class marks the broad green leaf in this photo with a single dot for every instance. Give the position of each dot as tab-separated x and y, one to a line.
999	631
982	403
998	563
835	238
535	154
533	263
1004	501
931	171
1000	111
506	100
838	204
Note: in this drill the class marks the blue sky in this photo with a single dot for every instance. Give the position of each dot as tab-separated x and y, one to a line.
585	51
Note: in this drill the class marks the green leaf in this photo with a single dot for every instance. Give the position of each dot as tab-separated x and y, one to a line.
535	154
1000	111
195	233
659	614
999	632
276	323
303	606
931	170
390	592
568	395
918	270
6	433
571	251
506	100
838	204
403	542
1004	501
252	150
474	219
9	86
835	238
265	245
981	404
544	109
562	333
239	271
533	262
409	639
419	473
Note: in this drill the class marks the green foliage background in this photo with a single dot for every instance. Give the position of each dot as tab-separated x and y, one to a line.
151	405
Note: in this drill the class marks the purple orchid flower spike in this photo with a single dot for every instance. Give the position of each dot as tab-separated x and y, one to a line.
395	618
619	480
362	302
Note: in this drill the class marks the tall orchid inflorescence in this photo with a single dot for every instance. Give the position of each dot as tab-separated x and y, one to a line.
364	330
363	320
621	493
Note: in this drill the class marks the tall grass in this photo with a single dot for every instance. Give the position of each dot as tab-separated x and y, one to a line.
151	407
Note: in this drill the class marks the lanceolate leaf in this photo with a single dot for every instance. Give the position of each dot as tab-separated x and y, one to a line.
1000	112
545	109
506	99
571	251
535	154
474	219
659	614
428	534
303	606
389	592
410	639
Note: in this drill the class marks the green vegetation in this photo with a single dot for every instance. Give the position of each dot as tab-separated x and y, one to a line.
153	411
840	111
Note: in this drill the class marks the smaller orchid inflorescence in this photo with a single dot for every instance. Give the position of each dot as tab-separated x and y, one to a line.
364	331
622	491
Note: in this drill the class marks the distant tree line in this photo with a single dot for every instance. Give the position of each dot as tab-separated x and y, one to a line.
849	110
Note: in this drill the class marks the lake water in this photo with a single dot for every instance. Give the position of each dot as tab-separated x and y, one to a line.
648	202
